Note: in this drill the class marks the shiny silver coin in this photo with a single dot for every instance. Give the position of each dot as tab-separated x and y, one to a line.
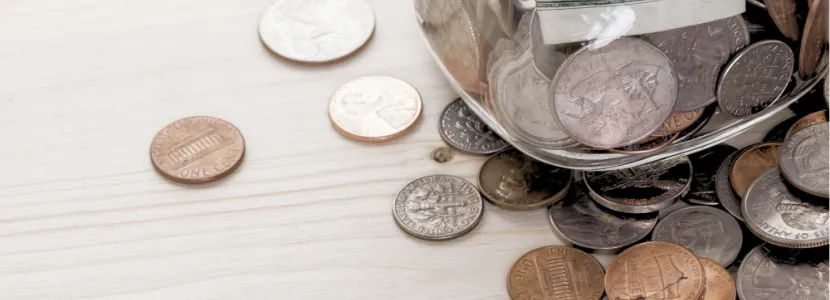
578	220
776	216
461	128
616	94
772	273
755	78
438	207
707	231
779	132
803	159
698	52
641	189
704	180
726	195
513	180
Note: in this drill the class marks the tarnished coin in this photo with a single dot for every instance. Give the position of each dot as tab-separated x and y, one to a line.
772	273
706	163
197	150
374	108
778	217
783	13
707	231
779	131
641	189
580	221
751	163
701	122
316	31
655	270
698	52
438	207
513	180
615	95
814	40
678	121
555	272
804	160
807	121
719	283
726	195
755	78
461	128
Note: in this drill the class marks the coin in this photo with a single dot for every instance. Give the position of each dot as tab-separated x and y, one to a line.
678	121
778	133
704	180
804	160
707	231
615	95
751	163
641	189
655	270
374	108
772	273
648	145
807	121
197	150
513	180
438	207
580	221
546	58
462	129
778	217
555	272
726	195
698	52
316	31
814	40
755	78
701	122
719	283
784	15
450	30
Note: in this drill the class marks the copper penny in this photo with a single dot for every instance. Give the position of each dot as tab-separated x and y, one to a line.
784	15
814	39
719	284
556	272
751	163
807	121
655	270
678	121
197	150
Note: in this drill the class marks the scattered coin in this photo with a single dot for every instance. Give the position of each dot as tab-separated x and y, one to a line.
807	121
374	108
438	207
679	121
779	132
719	283
704	180
555	272
197	150
804	160
315	31
450	30
784	15
726	195
513	180
778	217
655	270
605	98
814	40
755	78
751	163
641	189
707	231
462	129
772	273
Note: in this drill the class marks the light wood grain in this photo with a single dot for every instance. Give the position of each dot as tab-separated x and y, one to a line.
84	86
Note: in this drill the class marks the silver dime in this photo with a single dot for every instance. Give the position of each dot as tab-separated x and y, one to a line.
580	221
704	180
803	159
641	189
772	273
438	207
513	180
755	78
776	216
461	128
726	195
707	231
698	52
614	95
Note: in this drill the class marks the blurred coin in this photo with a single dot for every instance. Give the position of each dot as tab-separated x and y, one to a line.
648	145
751	163
814	40
615	95
804	160
726	195
316	31
772	273
546	58
513	180
707	231
463	130
755	78
784	15
641	189
197	150
678	121
807	121
779	132
698	52
374	108
438	207
704	180
555	272
655	270
719	283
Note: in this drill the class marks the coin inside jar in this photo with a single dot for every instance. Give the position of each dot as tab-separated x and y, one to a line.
751	163
719	284
374	108
655	270
804	160
807	121
450	31
438	207
197	150
773	273
726	195
783	13
755	78
555	272
513	180
707	231
462	129
678	121
705	164
814	40
641	189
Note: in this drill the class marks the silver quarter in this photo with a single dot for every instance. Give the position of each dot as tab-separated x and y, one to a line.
704	180
772	273
755	78
513	180
641	189
778	217
726	195
438	207
461	128
614	95
707	231
698	52
803	159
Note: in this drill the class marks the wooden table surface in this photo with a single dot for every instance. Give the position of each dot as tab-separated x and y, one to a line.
86	84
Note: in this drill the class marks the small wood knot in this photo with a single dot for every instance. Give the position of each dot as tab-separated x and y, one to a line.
442	154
